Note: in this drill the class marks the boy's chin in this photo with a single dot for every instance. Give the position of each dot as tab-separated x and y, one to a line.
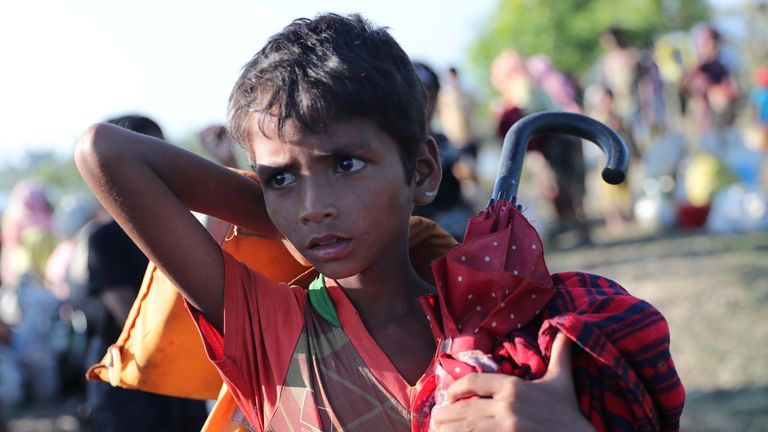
335	271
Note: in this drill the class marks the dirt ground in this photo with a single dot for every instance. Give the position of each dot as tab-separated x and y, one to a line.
713	291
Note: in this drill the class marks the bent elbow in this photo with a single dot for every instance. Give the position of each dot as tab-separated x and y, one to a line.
92	147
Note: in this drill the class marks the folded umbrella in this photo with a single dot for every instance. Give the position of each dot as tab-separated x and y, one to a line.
498	307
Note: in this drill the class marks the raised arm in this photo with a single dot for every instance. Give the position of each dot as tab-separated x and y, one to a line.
149	186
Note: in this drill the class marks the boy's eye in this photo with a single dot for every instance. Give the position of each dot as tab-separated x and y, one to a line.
282	180
349	165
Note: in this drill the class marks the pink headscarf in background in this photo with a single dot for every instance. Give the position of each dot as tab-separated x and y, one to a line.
554	83
510	77
28	207
761	76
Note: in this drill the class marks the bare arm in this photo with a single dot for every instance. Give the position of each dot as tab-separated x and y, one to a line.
149	187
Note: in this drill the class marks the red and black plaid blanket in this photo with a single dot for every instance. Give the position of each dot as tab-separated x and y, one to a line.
624	376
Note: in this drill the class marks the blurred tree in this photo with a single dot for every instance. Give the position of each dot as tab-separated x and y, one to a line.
569	31
58	172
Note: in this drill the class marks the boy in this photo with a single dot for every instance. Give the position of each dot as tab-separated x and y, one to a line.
331	115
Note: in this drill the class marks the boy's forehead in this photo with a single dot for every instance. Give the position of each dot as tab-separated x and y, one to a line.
264	133
266	127
267	140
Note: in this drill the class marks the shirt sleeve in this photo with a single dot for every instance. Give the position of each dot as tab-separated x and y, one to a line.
262	323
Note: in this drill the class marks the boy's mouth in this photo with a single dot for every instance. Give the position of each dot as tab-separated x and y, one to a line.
323	240
328	246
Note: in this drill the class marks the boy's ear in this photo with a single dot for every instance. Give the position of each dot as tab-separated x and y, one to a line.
427	172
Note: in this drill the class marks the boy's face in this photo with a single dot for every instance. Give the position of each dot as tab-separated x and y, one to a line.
339	197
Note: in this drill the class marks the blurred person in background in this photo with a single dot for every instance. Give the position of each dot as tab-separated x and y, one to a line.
27	233
457	110
10	376
758	98
25	304
510	77
72	213
563	153
115	269
649	119
616	70
711	87
561	91
627	96
674	55
556	162
217	143
449	208
615	200
521	95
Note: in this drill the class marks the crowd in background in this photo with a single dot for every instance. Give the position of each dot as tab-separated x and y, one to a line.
70	276
697	135
696	131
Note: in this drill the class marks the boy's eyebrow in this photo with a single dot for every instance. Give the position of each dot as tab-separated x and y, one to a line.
265	171
343	149
347	148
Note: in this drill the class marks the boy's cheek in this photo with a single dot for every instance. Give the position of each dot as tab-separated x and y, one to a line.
274	214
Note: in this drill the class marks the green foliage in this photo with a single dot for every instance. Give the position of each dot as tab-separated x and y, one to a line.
61	174
58	173
569	30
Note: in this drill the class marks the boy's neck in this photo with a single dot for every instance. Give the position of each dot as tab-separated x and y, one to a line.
386	293
386	299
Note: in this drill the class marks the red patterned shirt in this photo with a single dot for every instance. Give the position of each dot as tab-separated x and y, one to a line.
290	366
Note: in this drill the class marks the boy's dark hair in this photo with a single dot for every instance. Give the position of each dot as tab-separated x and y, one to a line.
138	123
331	68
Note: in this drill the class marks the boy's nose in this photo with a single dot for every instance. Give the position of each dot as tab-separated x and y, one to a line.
317	207
317	215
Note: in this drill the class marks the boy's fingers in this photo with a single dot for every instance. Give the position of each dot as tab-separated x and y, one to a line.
478	424
465	409
480	384
560	369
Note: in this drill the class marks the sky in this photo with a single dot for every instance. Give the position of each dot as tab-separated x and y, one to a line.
67	64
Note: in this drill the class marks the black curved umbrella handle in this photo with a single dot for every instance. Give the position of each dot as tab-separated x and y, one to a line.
516	143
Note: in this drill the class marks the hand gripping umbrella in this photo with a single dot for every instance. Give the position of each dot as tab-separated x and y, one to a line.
493	288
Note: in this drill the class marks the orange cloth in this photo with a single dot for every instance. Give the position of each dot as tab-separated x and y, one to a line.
159	349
